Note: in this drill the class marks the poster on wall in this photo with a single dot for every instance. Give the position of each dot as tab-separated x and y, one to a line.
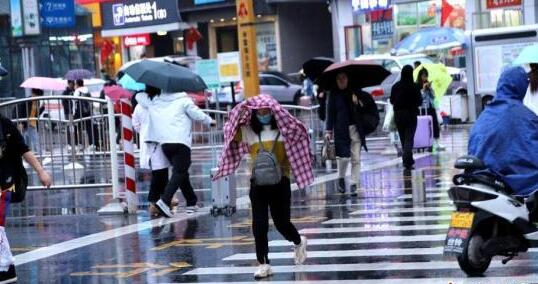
57	13
412	14
382	24
453	14
30	17
16	18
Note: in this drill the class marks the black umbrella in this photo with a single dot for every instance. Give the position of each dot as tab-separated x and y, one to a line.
360	75
3	72
314	67
168	77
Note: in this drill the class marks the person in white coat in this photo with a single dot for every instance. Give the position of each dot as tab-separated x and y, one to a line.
531	98
170	124
151	155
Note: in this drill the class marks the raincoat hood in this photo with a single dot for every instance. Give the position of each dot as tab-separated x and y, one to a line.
512	84
407	74
505	136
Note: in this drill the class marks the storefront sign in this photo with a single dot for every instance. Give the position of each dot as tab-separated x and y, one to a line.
229	67
494	4
209	71
370	5
16	18
201	2
57	13
382	24
30	15
137	40
139	16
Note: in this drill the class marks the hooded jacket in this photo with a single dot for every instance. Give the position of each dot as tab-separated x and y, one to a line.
505	136
171	117
405	94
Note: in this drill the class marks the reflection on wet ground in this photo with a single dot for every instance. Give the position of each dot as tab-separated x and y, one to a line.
379	234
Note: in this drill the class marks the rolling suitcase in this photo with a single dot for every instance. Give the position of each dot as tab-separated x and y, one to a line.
223	190
424	134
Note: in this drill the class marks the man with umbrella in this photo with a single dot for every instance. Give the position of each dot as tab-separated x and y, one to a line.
347	109
171	115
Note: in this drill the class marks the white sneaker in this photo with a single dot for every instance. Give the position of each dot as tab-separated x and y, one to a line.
192	209
263	271
300	251
164	209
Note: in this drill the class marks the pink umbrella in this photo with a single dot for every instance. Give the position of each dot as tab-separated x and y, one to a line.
116	93
44	83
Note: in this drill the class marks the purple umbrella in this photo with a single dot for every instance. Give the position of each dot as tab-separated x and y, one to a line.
78	74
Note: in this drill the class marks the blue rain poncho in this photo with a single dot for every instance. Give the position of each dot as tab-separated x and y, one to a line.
505	136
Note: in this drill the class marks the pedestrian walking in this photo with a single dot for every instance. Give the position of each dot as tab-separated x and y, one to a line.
406	99
531	98
82	111
428	104
68	110
151	154
170	125
278	145
342	125
13	182
31	111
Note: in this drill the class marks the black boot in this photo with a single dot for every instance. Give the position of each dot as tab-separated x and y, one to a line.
342	185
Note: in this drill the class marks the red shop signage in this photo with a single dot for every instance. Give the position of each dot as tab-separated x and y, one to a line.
493	4
135	40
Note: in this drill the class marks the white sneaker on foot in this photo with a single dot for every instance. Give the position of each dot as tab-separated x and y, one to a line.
263	271
192	209
300	251
164	209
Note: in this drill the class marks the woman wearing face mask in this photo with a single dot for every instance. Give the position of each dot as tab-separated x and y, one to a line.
428	104
260	123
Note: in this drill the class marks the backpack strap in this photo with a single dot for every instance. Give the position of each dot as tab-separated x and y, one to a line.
261	142
274	143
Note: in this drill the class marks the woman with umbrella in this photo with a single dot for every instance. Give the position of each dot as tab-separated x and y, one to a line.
170	120
406	99
346	108
428	103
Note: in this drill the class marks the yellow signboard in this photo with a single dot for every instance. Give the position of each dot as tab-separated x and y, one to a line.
247	46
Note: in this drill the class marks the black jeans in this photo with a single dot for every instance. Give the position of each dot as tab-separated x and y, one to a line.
179	156
406	122
159	180
277	199
436	129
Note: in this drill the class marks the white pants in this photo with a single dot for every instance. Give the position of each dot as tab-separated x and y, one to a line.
355	158
6	258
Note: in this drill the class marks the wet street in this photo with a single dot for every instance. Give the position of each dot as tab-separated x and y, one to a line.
380	236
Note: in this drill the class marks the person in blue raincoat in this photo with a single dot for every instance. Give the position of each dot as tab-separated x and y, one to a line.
505	136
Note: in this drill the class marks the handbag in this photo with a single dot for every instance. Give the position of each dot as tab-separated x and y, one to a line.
367	117
328	151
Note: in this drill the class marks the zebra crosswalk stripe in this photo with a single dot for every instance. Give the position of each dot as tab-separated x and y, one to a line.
364	240
402	210
373	228
386	219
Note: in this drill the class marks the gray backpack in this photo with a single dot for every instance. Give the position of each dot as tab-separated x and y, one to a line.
266	170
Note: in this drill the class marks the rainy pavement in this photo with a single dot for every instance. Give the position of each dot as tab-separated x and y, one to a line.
379	236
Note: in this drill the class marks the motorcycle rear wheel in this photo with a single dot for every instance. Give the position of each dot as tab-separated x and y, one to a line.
472	261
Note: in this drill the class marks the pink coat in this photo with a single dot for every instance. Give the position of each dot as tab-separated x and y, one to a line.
297	140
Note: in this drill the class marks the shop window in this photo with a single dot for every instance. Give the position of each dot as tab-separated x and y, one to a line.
266	46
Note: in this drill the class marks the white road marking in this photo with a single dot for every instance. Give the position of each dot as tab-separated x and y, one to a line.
367	220
403	210
364	240
372	228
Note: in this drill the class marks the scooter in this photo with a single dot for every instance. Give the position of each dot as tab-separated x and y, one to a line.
489	220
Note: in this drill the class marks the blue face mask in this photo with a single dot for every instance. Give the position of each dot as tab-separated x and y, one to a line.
265	119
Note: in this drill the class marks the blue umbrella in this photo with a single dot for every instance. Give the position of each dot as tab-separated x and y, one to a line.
128	83
430	39
528	55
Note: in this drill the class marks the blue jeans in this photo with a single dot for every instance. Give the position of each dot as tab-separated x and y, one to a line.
31	137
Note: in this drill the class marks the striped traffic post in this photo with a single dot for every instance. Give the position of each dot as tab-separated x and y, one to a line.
129	158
